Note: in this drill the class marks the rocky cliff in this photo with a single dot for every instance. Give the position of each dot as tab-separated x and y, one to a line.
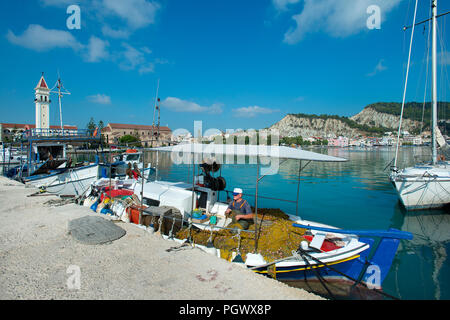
373	118
294	126
368	122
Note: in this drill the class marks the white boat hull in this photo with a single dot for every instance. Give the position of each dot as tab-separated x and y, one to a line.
71	182
423	187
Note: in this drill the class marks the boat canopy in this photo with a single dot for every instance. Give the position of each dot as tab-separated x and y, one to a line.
249	150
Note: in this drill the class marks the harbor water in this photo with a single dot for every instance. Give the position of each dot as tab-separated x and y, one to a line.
356	194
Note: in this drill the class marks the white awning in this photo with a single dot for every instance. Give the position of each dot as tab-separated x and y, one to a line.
214	150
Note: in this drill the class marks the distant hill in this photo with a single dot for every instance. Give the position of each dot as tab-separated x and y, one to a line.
413	110
374	119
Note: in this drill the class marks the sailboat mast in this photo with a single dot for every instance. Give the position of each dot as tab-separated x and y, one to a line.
406	86
434	85
154	112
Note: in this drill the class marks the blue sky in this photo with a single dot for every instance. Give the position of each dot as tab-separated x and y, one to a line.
232	64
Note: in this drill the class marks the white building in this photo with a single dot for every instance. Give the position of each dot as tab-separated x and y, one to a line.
42	101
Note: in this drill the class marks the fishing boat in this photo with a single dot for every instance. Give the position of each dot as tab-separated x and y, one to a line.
425	185
326	254
129	158
50	169
10	156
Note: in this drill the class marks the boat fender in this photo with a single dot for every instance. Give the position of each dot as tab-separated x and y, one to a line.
94	206
106	211
304	245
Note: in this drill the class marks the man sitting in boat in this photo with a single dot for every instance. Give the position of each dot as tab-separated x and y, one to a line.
129	171
240	210
136	172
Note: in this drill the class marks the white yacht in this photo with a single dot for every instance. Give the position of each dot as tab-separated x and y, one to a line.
425	186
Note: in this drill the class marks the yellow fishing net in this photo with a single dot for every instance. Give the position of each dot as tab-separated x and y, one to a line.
277	237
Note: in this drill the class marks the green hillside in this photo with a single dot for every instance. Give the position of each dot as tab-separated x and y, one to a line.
413	110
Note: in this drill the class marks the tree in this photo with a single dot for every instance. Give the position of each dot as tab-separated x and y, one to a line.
129	139
91	124
101	125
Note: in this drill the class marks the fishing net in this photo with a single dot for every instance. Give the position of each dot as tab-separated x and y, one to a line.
277	237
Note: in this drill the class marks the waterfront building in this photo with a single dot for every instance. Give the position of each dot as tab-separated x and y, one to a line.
114	131
338	142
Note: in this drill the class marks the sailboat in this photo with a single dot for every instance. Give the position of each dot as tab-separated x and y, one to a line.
425	185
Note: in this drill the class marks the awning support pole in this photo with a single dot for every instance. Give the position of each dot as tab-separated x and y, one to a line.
193	181
255	217
142	185
300	169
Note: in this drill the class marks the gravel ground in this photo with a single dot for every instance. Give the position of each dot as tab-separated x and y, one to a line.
39	260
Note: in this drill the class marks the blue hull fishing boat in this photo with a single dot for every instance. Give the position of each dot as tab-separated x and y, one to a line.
325	254
362	261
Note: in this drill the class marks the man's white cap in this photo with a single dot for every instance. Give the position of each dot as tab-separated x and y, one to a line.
237	190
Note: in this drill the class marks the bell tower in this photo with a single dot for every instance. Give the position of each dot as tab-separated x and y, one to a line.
42	100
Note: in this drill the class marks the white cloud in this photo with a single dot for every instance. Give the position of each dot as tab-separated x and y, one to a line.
131	57
96	50
444	58
100	99
178	105
134	13
252	111
283	4
147	68
59	3
117	34
335	17
378	68
38	38
137	13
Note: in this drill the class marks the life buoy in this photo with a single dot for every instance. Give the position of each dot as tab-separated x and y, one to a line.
95	132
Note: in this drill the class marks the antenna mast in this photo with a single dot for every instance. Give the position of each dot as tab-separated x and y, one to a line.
60	94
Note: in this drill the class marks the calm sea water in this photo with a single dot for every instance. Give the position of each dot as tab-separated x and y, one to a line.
354	195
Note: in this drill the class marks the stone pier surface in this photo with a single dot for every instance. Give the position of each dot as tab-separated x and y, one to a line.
39	259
